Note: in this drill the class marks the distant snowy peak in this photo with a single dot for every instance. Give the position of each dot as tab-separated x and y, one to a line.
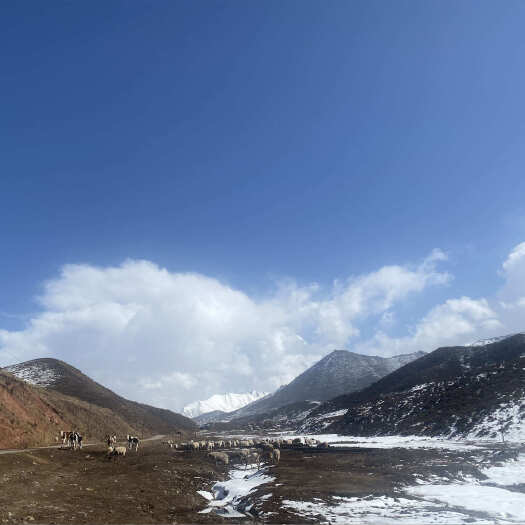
222	402
483	342
35	373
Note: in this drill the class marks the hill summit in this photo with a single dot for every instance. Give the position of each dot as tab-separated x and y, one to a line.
340	372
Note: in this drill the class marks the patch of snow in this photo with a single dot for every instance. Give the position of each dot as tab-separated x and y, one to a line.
510	416
380	510
36	374
510	473
499	503
205	494
227	494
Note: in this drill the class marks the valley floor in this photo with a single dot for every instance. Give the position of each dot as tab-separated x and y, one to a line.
357	480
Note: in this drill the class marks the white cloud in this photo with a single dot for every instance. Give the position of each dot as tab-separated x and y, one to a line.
171	338
462	320
456	321
515	258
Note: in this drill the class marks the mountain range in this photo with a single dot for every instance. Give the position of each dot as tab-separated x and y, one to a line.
475	390
337	373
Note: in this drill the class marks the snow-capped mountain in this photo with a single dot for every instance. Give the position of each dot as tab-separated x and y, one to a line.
222	402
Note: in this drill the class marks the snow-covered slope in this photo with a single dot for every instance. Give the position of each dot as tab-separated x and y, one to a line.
40	373
222	402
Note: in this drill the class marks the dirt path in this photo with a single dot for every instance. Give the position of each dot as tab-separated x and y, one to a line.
33	449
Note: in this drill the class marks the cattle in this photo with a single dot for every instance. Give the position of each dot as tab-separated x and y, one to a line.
65	436
75	440
133	441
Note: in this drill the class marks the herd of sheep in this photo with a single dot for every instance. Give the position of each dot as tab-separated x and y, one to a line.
247	451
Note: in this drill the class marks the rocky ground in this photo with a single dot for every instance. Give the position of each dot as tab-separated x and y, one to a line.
160	485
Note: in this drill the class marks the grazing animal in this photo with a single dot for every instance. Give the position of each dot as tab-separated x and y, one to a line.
65	436
252	457
276	455
133	441
75	440
116	451
219	457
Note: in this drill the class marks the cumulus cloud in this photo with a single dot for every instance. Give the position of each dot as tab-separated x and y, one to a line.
515	258
457	321
462	320
170	338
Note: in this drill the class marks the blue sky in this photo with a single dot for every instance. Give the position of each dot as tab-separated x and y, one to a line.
258	142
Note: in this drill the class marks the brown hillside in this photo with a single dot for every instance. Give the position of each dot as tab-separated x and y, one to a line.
30	415
70	381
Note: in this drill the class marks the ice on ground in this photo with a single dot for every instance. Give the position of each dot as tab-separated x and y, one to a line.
510	473
381	510
499	503
205	494
227	494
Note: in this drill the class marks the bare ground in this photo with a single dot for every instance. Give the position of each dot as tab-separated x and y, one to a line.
159	485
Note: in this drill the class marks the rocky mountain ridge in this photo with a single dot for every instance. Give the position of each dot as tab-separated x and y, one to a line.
453	391
337	373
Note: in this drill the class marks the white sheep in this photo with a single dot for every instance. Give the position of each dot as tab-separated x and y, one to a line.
219	457
116	451
252	457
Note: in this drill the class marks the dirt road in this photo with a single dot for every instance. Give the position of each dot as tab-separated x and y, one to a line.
21	450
